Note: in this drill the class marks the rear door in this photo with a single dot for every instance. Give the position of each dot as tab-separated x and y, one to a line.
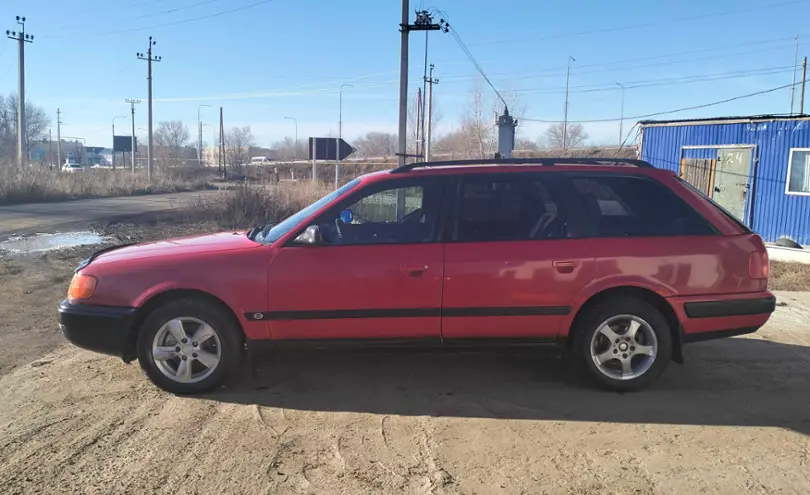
514	263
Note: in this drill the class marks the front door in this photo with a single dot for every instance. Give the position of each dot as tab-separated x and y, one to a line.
515	265
731	178
377	274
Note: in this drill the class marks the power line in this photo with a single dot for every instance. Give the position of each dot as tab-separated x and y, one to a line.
645	24
470	56
597	88
144	16
182	21
677	110
615	66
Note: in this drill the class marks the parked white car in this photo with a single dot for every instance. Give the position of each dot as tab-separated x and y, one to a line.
72	167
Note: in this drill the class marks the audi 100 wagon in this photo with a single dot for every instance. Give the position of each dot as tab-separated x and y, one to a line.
613	260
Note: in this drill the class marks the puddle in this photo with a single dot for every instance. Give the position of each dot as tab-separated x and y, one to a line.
48	242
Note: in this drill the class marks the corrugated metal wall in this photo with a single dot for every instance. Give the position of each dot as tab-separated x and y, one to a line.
775	214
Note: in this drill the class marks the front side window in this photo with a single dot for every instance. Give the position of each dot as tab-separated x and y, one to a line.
398	215
507	210
799	172
635	206
275	233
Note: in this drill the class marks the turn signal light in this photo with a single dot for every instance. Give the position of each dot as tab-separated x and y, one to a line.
758	265
82	286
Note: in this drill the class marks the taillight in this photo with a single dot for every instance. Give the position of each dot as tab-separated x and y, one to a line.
758	265
82	286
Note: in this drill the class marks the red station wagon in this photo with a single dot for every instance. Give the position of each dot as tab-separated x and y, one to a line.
616	261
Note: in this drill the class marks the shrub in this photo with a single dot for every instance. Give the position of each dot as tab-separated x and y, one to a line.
32	185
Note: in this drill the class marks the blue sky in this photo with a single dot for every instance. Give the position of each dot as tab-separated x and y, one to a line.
272	59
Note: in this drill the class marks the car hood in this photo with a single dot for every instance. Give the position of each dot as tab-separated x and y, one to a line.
224	241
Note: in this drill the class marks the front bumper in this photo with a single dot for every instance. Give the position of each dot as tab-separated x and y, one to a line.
105	329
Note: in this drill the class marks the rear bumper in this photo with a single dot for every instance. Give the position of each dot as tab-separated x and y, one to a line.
712	317
732	307
104	329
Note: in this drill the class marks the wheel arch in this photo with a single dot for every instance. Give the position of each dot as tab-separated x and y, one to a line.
161	298
651	297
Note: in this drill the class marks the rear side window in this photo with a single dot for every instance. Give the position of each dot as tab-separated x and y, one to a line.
507	210
635	206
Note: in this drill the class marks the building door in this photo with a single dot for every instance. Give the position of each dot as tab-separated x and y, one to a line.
731	180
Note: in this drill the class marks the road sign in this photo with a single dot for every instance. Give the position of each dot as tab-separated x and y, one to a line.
37	154
124	143
327	149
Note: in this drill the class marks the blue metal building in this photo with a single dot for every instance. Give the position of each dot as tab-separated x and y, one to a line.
758	168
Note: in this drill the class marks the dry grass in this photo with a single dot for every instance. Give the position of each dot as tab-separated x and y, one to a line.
789	276
33	185
247	205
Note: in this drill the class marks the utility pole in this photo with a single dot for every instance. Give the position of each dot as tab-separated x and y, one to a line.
50	149
420	121
565	112
340	135
59	138
199	134
424	22
149	59
404	28
804	80
424	96
222	144
22	139
132	151
795	66
428	127
621	118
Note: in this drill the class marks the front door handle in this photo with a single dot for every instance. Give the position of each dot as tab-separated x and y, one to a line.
414	270
564	266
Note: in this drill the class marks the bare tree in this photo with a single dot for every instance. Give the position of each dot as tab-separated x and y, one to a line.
238	141
376	144
170	139
525	144
287	149
477	124
553	136
36	124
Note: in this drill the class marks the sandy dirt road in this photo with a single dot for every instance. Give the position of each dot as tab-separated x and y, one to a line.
44	217
734	419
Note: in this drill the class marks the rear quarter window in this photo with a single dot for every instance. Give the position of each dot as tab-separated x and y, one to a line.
719	208
637	206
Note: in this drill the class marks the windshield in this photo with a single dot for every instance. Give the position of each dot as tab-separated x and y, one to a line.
293	221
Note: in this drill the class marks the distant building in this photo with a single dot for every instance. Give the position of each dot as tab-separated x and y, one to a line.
757	168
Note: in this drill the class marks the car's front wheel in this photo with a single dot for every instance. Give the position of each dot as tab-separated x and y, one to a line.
187	346
624	343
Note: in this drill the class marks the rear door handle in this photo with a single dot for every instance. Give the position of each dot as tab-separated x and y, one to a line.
564	266
414	270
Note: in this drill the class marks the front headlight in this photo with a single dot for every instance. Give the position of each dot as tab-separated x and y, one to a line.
81	286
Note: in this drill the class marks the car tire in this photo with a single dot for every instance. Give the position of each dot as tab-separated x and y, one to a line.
171	355
624	343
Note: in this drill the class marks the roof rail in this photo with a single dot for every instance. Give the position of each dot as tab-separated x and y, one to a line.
546	162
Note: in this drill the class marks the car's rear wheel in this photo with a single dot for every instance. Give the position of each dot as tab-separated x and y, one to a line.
187	346
624	343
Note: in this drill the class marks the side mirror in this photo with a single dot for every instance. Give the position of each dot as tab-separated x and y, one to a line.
311	236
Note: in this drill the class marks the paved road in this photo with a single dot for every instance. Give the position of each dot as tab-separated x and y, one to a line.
41	217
